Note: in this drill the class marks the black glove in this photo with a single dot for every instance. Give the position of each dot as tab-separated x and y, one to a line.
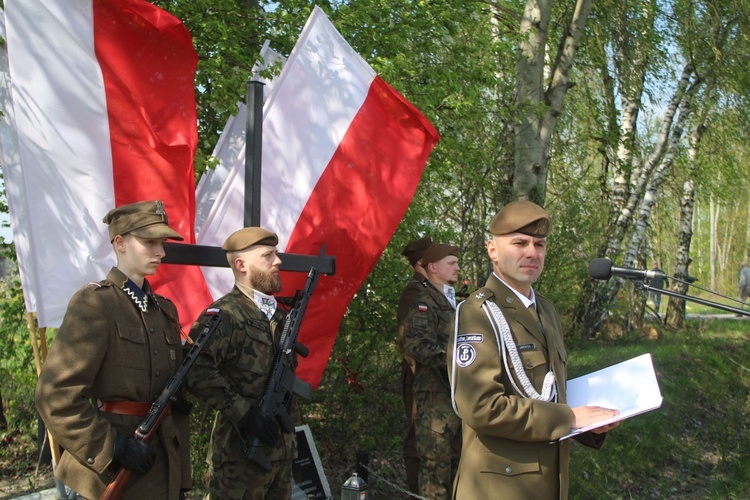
133	455
265	428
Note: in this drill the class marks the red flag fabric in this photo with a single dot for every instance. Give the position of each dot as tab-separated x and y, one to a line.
343	153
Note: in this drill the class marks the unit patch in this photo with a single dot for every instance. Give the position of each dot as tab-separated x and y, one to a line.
422	308
465	355
470	337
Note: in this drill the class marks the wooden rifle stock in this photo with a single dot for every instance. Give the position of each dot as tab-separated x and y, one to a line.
114	489
161	407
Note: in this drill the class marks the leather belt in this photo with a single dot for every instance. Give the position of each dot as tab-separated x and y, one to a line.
132	408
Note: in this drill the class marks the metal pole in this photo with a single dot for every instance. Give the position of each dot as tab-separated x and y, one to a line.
253	152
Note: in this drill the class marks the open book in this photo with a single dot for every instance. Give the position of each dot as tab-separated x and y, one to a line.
630	387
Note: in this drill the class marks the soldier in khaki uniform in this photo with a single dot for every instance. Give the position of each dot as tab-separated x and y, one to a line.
118	345
231	371
413	251
427	329
507	365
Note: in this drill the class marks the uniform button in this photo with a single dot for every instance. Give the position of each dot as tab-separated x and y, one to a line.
90	461
156	352
508	470
158	374
528	364
151	330
508	299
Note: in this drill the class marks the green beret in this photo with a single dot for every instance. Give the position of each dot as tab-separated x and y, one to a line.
438	251
522	217
145	219
249	236
414	249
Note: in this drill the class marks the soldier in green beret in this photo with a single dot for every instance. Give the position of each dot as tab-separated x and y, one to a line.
427	329
507	366
117	347
413	251
231	371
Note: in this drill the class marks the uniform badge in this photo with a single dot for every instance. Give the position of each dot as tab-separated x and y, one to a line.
470	338
479	295
422	308
465	355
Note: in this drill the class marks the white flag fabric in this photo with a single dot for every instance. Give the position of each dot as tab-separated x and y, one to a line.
9	157
343	153
101	121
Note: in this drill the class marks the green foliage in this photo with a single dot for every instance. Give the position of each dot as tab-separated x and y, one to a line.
17	373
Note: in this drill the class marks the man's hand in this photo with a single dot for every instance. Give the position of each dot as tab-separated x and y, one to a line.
133	455
265	428
587	415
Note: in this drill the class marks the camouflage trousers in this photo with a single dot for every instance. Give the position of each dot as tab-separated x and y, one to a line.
438	433
246	481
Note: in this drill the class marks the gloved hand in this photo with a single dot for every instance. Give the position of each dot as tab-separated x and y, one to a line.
264	427
133	455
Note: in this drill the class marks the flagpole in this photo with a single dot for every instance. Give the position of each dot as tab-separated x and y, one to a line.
253	151
38	359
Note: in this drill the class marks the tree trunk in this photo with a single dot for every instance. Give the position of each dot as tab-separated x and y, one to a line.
538	110
714	209
676	307
597	298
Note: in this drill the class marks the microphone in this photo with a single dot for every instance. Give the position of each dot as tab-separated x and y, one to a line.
602	269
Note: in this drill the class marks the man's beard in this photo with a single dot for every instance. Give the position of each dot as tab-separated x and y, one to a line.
265	282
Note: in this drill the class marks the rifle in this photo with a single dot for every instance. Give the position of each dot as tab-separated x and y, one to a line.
161	407
282	383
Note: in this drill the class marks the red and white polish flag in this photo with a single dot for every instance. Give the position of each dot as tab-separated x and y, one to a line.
343	153
103	106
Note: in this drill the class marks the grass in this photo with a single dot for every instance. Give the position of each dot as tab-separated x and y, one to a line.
697	445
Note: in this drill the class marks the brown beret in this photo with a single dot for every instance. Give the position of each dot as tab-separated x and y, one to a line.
414	250
522	217
249	236
437	251
145	219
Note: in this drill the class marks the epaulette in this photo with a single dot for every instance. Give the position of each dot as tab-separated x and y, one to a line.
480	295
99	284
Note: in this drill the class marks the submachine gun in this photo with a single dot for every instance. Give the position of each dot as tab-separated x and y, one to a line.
282	383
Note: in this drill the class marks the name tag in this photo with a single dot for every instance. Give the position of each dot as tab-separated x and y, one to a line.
527	347
471	338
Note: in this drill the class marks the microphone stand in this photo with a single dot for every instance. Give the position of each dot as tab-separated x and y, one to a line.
639	284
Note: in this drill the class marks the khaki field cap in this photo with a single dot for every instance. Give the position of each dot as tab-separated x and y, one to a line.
414	249
438	251
522	217
249	236
145	219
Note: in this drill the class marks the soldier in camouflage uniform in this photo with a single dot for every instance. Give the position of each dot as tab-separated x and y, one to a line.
428	328
413	251
231	371
111	358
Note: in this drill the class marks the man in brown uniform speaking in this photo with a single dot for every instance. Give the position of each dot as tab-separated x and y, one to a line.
116	349
507	366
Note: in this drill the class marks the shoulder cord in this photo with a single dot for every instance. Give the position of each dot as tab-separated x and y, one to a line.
506	346
453	361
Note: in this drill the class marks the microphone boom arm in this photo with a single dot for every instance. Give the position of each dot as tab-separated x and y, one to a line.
640	285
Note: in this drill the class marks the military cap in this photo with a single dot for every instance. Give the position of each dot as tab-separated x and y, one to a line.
414	249
249	236
145	219
437	251
522	217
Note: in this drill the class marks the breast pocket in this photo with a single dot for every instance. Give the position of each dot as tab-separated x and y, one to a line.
132	351
257	350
